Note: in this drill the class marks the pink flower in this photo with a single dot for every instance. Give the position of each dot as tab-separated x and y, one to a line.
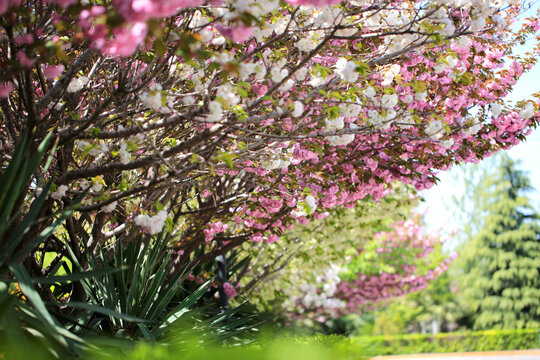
237	34
126	40
206	193
24	39
257	237
271	205
24	60
5	88
229	290
63	3
6	4
271	238
53	71
142	10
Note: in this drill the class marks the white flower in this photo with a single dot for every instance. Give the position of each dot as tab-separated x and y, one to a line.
369	92
334	124
311	203
422	96
447	143
352	110
287	85
389	100
98	149
152	224
83	145
215	111
316	81
449	27
206	35
499	21
473	129
463	42
390	73
151	99
277	159
123	153
228	94
301	74
340	140
527	112
260	72
218	40
306	44
59	193
478	24
496	109
346	70
110	207
298	109
96	187
434	128
188	100
244	70
77	84
408	99
278	74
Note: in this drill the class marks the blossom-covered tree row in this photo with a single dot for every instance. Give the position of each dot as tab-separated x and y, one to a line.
389	263
231	121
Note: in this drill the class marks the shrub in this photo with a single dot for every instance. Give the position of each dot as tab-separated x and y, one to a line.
448	342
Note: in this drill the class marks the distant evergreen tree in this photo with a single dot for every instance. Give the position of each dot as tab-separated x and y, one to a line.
501	263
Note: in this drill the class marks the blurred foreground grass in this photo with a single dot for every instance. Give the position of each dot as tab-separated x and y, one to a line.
318	347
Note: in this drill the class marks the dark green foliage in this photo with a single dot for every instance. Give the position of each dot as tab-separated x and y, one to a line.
448	342
25	318
501	263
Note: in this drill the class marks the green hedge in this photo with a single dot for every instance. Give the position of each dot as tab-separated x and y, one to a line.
448	342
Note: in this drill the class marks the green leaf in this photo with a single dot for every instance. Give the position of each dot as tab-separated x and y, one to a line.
181	309
74	277
102	310
25	283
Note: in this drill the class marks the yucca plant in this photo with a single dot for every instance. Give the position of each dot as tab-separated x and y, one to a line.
134	299
139	299
25	320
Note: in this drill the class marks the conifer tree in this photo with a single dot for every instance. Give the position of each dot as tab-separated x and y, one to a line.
501	263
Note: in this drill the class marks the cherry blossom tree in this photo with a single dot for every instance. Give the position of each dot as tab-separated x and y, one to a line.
401	259
228	122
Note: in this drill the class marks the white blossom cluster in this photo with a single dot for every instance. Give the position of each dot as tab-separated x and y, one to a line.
473	129
76	84
93	149
338	124
346	70
152	224
434	129
156	100
448	63
382	121
321	294
527	112
305	207
109	208
277	159
59	193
